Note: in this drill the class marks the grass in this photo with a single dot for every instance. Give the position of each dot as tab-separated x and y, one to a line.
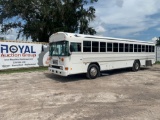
20	70
158	62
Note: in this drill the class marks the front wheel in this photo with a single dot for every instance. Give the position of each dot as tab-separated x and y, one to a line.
93	71
136	66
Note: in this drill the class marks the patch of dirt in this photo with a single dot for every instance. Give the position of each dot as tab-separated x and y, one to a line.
116	95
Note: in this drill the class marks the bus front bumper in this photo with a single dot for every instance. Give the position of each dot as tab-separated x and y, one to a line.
58	72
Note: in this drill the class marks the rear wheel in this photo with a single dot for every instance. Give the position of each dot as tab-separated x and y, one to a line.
93	71
136	66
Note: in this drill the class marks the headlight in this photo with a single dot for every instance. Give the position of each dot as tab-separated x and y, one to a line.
61	68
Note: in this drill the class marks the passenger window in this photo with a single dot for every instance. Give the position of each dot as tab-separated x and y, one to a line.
131	48
95	46
143	48
147	48
153	48
115	47
139	48
121	47
109	47
135	48
126	47
150	48
86	46
76	47
102	46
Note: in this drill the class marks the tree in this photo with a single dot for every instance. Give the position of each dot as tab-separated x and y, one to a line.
38	19
158	41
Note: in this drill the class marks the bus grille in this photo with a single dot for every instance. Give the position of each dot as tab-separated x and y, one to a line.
57	67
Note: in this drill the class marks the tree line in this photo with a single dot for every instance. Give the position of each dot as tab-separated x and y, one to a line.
38	19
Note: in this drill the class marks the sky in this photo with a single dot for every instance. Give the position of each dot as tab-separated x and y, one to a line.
130	19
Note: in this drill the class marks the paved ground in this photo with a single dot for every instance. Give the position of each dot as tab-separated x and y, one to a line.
117	95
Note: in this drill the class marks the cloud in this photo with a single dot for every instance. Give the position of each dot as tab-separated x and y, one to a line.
119	3
100	29
127	17
154	39
158	29
98	26
11	34
123	18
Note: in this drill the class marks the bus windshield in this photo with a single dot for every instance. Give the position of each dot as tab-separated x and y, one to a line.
60	48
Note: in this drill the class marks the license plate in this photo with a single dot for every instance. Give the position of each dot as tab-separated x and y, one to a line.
55	62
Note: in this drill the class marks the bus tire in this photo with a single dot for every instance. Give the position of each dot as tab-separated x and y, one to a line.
136	66
93	71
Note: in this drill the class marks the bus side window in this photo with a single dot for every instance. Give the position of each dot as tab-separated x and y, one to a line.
126	47
102	46
147	50
109	47
79	47
150	48
139	48
115	47
76	47
95	46
121	47
143	48
86	46
135	48
153	48
130	47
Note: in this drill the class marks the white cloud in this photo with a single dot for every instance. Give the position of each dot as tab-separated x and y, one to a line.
127	17
154	39
100	29
121	18
11	34
158	29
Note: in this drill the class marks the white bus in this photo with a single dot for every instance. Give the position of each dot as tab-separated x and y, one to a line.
72	53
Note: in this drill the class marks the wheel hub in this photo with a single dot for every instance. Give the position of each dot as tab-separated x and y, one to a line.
137	66
93	71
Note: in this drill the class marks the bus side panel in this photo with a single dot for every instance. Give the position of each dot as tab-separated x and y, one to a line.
76	64
143	62
108	61
116	65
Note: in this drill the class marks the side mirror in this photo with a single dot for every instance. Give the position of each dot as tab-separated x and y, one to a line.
69	54
42	48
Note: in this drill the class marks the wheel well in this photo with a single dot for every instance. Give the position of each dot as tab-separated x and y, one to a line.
95	64
138	61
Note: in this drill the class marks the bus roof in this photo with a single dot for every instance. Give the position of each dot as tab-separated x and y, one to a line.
100	37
